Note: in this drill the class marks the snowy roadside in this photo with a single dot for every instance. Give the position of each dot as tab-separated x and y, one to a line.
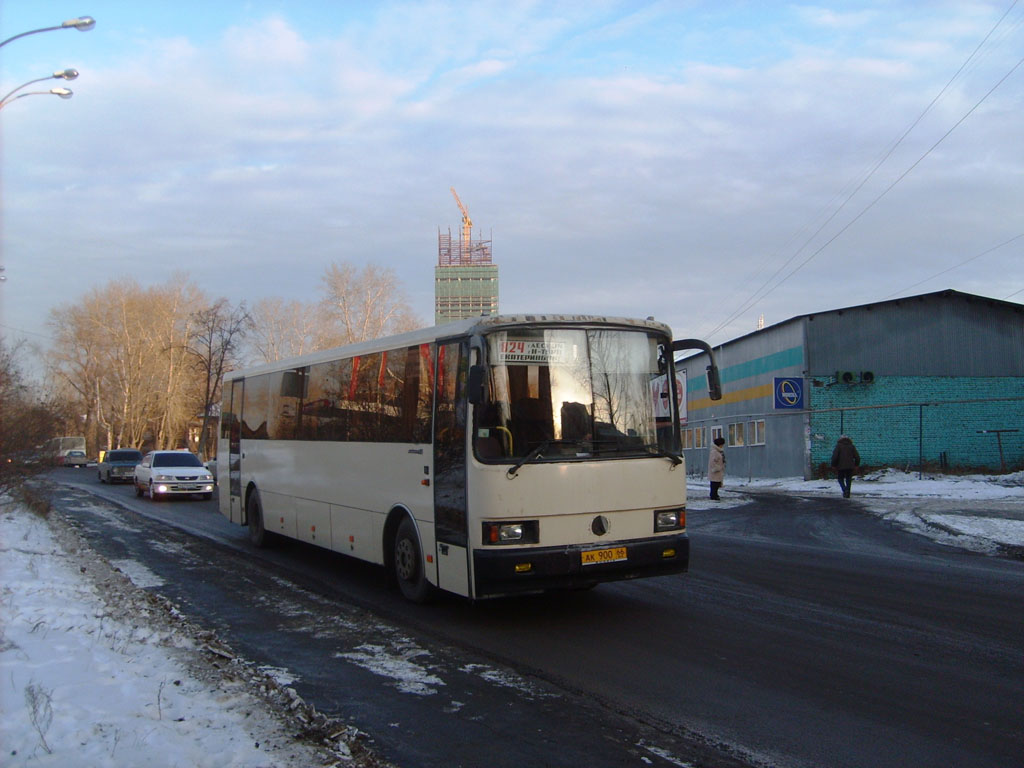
982	513
95	671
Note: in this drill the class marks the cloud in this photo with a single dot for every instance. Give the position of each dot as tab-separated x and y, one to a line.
830	19
675	186
269	43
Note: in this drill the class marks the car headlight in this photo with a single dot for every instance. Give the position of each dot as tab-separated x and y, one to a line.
163	478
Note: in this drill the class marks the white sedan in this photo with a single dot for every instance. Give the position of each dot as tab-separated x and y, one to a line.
172	473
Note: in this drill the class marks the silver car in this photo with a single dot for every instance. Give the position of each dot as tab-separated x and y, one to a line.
75	459
172	473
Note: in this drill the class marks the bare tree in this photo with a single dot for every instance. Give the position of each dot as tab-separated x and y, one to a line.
367	303
27	420
76	365
169	332
123	310
288	329
216	334
122	354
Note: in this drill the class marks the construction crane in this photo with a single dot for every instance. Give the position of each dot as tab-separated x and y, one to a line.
467	223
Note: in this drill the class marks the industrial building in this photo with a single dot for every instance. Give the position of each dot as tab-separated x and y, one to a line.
932	382
465	278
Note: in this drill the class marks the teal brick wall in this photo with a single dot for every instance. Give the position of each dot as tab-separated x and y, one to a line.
947	426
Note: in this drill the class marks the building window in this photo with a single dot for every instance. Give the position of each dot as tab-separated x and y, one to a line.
716	432
698	438
755	432
687	439
736	435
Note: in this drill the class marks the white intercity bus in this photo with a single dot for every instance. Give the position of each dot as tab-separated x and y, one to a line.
57	448
491	456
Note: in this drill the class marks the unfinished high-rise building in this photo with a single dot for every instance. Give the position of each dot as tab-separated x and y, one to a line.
465	278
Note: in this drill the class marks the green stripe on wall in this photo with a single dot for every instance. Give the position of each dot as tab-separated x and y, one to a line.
787	358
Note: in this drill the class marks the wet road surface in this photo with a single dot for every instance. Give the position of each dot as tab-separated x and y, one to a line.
807	633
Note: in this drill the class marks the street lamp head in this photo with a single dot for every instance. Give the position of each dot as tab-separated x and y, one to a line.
82	24
67	74
64	93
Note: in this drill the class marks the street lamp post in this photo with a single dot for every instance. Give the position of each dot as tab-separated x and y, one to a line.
82	24
66	74
64	93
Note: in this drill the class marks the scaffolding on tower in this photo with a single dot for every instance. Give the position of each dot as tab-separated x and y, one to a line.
465	278
466	251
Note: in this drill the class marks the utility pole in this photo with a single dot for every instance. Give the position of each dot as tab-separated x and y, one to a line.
999	438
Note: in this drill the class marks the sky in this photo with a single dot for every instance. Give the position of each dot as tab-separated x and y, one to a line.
711	164
118	684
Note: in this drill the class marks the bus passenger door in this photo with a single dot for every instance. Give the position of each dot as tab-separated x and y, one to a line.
235	501
450	508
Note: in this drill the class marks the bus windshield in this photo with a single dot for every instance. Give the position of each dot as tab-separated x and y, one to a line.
560	394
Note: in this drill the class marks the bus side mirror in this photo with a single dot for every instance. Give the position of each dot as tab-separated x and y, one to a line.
714	379
475	384
714	383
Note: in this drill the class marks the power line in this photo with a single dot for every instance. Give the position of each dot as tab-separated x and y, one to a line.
30	333
764	291
956	266
886	191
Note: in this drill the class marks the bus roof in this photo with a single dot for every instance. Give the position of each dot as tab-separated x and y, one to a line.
470	326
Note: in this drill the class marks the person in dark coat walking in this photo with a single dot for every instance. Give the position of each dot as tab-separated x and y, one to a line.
844	459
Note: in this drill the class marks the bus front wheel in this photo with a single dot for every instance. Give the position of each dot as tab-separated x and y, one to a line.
408	564
258	534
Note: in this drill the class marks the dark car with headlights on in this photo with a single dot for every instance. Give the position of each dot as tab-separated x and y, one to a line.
172	473
118	465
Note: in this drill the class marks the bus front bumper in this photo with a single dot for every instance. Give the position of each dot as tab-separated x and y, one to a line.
501	571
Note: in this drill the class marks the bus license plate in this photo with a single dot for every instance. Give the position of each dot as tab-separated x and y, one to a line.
596	556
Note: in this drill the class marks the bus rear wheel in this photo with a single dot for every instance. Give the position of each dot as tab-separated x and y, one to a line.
408	564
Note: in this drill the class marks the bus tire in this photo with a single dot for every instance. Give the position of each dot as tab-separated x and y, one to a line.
408	564
258	534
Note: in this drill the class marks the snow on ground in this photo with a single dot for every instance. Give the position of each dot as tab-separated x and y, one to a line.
95	672
984	513
892	483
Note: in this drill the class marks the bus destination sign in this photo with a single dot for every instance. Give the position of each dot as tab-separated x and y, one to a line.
531	351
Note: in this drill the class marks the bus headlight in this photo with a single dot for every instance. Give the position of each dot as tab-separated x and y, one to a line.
669	519
512	532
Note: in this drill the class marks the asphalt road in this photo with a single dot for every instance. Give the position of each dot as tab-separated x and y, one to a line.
807	633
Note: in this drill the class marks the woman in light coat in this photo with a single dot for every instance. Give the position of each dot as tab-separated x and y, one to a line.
716	466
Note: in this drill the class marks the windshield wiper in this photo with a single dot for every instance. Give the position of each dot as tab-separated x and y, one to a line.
657	450
536	452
